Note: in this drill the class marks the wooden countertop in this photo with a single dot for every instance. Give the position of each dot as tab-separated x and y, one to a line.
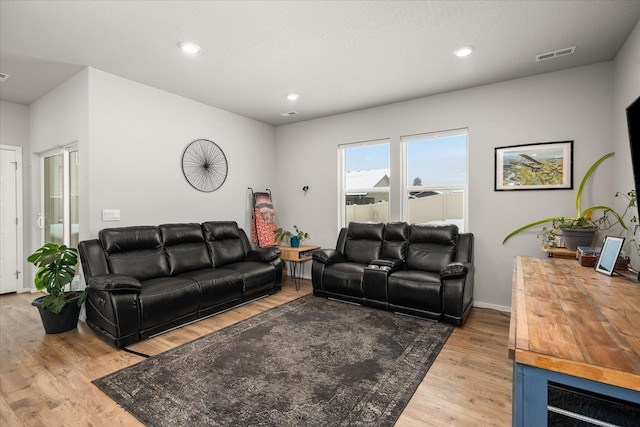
569	319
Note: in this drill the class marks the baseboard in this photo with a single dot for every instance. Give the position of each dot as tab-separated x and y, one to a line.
503	308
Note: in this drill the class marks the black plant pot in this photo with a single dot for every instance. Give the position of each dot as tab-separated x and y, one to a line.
574	237
64	321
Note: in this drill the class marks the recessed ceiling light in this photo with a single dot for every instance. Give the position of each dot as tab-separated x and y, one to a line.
464	51
292	96
189	47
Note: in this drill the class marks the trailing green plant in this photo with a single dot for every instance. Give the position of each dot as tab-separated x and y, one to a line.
549	235
632	202
285	236
56	269
582	219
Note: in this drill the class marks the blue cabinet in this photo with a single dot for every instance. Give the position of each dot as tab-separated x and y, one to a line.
573	338
546	398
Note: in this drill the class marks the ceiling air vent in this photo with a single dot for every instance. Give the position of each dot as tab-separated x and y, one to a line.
290	113
3	77
556	54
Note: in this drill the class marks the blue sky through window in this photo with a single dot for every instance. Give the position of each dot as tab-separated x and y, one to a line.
436	161
367	157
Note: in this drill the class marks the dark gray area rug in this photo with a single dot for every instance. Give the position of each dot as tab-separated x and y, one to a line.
311	361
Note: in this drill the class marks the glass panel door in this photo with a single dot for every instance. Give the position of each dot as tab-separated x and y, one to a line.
60	206
53	199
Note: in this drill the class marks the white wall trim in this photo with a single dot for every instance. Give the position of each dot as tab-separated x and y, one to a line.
20	215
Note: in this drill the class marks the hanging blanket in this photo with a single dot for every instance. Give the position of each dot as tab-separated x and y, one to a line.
263	226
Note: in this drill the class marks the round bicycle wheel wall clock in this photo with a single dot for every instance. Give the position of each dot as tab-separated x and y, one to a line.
204	165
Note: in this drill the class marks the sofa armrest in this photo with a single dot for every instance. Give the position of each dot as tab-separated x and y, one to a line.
114	282
263	254
454	270
457	292
328	256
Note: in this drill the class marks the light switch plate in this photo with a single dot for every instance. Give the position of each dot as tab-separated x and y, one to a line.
111	214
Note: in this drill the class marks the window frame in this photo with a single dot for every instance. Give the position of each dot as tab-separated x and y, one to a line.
407	189
398	191
342	177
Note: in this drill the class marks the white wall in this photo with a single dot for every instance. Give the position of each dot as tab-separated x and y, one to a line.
14	124
14	130
58	119
573	105
137	136
626	90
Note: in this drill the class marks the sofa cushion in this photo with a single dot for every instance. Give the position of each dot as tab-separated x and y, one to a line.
420	290
224	242
185	247
364	242
436	234
167	298
218	286
344	278
396	235
135	251
431	247
255	275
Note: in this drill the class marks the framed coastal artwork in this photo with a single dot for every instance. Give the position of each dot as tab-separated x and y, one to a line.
541	166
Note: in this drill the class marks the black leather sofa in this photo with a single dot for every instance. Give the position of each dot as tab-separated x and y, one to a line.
420	270
145	280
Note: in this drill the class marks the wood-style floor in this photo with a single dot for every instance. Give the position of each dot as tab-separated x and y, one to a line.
45	380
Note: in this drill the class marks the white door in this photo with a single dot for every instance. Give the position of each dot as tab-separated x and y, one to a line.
59	219
60	198
10	236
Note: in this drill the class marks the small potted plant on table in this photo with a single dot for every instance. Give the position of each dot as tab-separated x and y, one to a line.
60	309
293	239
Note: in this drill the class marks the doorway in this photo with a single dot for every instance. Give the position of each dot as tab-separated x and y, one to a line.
11	219
59	217
59	220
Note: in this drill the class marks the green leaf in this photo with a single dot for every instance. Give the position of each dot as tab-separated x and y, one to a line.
606	208
586	178
524	227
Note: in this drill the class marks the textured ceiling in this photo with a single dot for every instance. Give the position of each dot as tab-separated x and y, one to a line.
338	55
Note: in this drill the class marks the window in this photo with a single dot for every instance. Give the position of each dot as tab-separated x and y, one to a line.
435	171
433	187
364	182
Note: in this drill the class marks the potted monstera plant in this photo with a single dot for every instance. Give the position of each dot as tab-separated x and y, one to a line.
572	228
59	309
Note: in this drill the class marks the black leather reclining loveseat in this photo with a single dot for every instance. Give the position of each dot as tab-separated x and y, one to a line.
420	270
145	280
